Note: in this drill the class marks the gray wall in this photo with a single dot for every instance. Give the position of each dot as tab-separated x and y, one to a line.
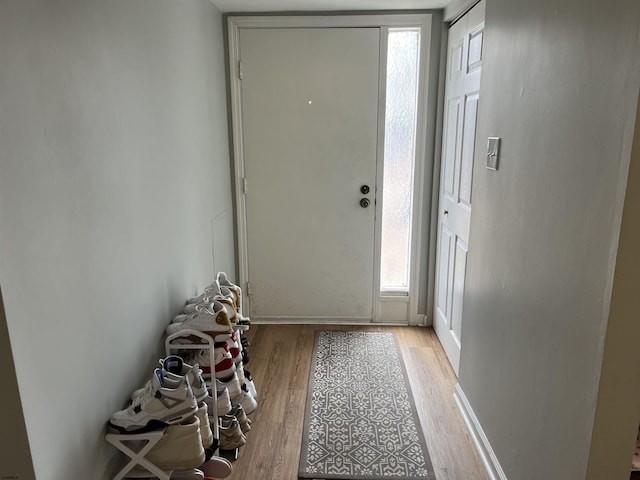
113	166
560	85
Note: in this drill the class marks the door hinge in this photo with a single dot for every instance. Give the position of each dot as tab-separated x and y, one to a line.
239	69
244	185
248	288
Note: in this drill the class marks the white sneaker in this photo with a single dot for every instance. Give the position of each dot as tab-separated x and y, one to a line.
233	345
232	384
181	317
174	370
223	362
158	405
223	281
223	402
206	435
180	447
229	306
251	387
192	307
175	366
209	291
240	373
234	300
200	357
211	320
249	404
192	310
231	295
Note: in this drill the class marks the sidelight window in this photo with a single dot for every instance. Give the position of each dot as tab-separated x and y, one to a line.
399	157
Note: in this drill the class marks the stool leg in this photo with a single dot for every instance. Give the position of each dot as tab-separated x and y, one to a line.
137	458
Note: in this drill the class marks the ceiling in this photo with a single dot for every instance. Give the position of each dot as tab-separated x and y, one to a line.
325	5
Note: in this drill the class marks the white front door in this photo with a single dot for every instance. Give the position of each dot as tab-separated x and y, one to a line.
310	130
462	87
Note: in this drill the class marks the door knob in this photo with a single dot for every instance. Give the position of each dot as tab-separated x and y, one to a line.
364	189
364	203
446	212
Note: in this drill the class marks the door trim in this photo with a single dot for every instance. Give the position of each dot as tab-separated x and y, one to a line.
234	24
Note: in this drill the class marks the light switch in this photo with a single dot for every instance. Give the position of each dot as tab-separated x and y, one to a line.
493	151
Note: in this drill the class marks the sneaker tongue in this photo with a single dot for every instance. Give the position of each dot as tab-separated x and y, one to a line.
158	378
173	364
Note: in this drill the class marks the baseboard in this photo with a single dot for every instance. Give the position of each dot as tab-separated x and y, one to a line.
322	321
420	320
480	440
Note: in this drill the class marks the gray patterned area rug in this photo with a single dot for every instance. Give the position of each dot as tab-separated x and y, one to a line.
360	419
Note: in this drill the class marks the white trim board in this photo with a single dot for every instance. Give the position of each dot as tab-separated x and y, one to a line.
323	322
491	463
327	21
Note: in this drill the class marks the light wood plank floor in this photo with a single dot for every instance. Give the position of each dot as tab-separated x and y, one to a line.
280	358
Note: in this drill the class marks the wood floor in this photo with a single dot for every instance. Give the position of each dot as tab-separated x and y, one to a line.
280	357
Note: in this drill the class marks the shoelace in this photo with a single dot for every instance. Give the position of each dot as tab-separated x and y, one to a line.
200	307
145	396
204	301
211	290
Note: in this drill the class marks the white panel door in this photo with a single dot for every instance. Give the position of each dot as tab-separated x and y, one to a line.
464	65
310	122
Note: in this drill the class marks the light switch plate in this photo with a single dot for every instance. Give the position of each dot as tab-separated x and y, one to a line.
493	152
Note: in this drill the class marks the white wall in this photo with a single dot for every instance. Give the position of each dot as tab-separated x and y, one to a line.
560	85
113	164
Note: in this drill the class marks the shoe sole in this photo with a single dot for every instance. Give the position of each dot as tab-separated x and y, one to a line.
217	467
149	427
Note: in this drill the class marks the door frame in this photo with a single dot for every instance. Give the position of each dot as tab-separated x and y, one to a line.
385	308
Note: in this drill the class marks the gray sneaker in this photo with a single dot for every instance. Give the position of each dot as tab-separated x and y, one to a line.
231	435
241	416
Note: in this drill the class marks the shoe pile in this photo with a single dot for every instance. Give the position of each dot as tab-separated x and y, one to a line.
236	393
178	400
174	400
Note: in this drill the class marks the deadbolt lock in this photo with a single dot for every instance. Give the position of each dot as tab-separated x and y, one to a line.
364	189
